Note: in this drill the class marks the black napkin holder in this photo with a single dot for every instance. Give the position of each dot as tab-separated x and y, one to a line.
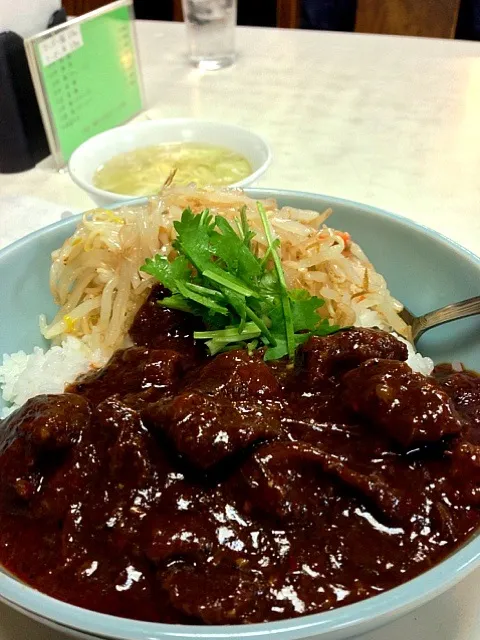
23	142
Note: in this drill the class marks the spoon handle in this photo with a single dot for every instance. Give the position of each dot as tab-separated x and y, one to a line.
451	312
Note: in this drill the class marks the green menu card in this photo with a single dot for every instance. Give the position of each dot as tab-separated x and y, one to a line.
86	76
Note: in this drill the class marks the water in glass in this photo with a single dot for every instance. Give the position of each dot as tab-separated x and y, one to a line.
211	32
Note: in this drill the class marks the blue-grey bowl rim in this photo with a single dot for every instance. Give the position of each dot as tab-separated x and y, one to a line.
404	598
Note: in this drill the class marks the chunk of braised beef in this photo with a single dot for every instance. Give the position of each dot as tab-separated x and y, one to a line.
216	594
134	370
236	375
47	422
205	429
278	481
65	489
410	407
177	535
278	473
131	451
133	466
464	389
466	470
43	428
158	327
323	357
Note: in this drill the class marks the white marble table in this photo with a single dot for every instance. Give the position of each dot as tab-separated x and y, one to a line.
393	122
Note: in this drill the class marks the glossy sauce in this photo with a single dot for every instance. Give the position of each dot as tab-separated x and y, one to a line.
176	488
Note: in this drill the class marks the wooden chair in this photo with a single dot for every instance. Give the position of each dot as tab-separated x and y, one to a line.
431	18
177	10
288	13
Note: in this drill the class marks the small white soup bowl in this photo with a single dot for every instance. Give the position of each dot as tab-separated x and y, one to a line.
104	146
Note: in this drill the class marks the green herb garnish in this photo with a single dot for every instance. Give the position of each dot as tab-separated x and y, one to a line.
242	300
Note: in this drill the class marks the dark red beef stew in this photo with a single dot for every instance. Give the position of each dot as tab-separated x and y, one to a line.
174	487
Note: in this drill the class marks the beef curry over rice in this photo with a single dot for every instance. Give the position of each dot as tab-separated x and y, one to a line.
175	487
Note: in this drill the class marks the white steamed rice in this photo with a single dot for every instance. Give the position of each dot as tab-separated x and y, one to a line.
417	362
23	376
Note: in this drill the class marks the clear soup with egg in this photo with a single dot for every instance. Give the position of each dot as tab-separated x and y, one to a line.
143	172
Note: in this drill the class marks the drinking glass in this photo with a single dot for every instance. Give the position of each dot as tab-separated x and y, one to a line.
211	32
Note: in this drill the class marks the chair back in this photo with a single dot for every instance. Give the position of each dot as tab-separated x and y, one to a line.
431	18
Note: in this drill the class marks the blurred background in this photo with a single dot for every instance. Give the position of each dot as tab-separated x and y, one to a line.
429	18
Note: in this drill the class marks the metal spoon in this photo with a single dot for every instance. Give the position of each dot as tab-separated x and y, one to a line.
455	311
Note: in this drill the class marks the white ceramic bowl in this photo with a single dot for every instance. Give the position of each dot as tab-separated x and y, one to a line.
104	146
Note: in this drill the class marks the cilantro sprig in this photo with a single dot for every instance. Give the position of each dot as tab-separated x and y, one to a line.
242	299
